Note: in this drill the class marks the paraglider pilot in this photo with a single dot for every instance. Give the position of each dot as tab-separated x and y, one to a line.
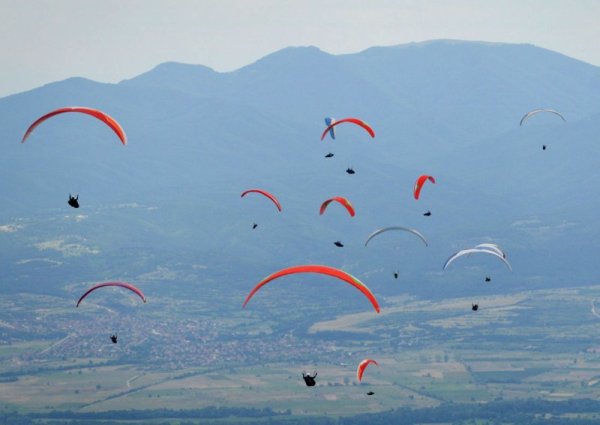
73	201
474	307
309	380
254	226
113	338
350	170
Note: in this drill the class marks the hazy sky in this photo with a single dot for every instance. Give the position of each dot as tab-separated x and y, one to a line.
47	40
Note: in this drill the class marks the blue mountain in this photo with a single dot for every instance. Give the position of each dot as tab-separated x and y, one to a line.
198	138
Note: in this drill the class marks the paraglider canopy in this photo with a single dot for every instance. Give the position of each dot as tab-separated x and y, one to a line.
264	193
328	122
387	229
491	247
325	270
419	184
464	252
356	121
343	201
360	370
338	244
537	111
102	116
125	285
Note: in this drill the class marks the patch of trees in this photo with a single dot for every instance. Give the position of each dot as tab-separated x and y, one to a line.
515	412
210	412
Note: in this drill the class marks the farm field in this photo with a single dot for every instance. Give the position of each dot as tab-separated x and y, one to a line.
428	353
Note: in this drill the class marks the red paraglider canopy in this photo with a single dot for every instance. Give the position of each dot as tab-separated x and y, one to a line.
420	182
326	270
356	121
346	203
362	366
120	284
107	119
265	193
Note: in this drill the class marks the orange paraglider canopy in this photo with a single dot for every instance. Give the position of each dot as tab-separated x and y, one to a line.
264	193
326	270
107	119
420	182
362	366
346	203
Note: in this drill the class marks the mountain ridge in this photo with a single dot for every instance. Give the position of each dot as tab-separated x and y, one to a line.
198	138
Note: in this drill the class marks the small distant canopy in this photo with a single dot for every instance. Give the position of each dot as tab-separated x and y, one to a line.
537	111
419	184
328	122
355	121
360	370
470	251
492	247
343	201
125	285
405	229
264	193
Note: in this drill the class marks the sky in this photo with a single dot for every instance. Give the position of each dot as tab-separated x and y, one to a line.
42	41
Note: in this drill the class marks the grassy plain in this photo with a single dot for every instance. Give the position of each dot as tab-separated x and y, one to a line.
428	353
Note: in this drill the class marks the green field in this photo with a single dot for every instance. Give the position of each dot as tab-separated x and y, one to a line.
428	353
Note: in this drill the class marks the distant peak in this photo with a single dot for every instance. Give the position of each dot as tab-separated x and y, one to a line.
75	82
303	54
451	45
180	65
302	48
162	73
295	51
442	42
451	41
